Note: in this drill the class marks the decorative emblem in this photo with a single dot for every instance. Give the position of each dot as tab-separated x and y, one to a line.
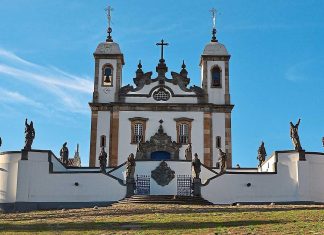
107	90
158	142
163	174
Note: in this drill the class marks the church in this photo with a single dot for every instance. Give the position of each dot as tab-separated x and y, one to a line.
160	136
126	119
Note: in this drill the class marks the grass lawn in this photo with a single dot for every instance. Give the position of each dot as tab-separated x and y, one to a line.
169	219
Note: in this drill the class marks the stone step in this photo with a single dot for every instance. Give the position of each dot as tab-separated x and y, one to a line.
165	199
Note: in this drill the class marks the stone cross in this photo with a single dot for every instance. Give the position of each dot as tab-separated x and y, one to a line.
162	44
213	11
109	31
109	10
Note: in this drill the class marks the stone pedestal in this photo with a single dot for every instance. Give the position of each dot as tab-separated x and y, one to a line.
196	186
24	154
301	155
130	187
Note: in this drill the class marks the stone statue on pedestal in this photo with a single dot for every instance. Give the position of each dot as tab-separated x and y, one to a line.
294	135
188	152
64	153
196	164
261	154
130	171
196	182
130	166
222	160
103	159
139	151
29	135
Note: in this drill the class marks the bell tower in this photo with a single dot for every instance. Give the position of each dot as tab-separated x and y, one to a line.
214	65
109	62
108	68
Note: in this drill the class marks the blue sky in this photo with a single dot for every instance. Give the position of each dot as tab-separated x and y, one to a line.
276	68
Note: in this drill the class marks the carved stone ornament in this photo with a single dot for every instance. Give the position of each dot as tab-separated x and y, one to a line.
161	94
163	174
158	142
181	79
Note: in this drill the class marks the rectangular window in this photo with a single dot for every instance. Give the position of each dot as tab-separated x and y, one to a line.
138	133
183	125
218	142
138	127
183	133
103	141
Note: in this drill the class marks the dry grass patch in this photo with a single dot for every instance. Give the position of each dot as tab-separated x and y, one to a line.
169	219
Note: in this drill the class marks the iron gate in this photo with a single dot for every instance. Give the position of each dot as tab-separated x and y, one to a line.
184	185
143	184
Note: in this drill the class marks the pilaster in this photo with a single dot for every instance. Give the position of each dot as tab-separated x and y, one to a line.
228	139
118	79
93	138
208	150
227	93
113	138
96	82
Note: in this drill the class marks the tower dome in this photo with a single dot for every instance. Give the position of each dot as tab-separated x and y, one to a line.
215	48
108	48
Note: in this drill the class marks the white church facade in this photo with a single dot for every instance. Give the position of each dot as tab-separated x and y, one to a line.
124	119
163	121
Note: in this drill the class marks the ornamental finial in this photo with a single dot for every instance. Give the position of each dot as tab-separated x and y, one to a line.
109	9
139	64
214	12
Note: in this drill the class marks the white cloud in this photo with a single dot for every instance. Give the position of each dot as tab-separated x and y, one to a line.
305	70
70	90
15	97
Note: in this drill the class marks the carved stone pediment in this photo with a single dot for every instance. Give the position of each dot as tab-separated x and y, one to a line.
163	174
181	79
160	141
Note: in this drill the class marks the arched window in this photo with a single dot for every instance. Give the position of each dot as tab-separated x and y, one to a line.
107	75
216	77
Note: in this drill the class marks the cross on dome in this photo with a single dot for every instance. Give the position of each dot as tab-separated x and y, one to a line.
109	9
214	12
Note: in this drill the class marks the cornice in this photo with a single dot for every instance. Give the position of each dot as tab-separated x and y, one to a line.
170	107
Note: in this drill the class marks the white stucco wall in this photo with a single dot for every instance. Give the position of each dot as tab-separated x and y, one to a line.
152	126
103	128
36	184
30	181
269	164
8	177
107	94
313	177
218	125
280	187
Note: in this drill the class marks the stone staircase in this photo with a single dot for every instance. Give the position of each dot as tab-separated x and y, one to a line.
165	199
